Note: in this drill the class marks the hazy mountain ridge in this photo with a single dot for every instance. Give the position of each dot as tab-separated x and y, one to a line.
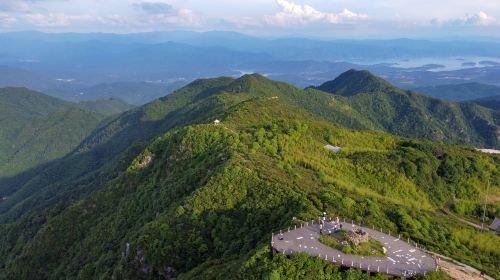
492	102
460	92
106	107
41	61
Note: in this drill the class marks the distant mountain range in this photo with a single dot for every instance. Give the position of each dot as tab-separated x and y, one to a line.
492	102
160	191
460	92
67	65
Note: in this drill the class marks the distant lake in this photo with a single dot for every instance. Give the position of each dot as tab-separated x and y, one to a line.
438	63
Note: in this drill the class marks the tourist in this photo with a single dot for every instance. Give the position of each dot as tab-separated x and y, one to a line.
321	229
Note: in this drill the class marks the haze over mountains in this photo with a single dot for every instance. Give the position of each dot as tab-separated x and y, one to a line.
112	167
196	200
80	66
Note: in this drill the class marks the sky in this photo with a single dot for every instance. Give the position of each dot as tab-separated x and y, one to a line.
274	18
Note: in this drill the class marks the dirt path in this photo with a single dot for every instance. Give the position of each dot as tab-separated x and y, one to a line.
463	221
459	272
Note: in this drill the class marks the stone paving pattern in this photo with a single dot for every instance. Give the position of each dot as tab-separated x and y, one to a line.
403	259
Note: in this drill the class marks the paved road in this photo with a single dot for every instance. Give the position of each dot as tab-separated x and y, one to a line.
402	258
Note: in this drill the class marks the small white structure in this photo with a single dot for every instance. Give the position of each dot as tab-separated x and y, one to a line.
489	151
495	225
216	122
333	148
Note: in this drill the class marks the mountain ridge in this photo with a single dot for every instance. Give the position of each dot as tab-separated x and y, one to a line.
192	193
183	191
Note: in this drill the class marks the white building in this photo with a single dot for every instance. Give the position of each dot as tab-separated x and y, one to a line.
333	148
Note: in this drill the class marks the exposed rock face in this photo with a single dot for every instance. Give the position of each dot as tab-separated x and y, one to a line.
146	161
357	236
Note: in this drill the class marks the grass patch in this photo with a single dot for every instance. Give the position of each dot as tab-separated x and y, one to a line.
336	239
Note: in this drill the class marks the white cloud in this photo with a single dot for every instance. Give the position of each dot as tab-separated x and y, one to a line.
164	13
7	20
56	19
292	13
156	8
480	18
477	19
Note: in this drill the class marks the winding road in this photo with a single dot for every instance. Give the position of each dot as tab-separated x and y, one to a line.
403	259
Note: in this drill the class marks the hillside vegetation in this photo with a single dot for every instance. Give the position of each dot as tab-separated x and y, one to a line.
199	201
492	102
410	114
105	107
36	128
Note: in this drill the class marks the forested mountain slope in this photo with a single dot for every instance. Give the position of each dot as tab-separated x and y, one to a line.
36	128
410	114
492	102
106	107
203	199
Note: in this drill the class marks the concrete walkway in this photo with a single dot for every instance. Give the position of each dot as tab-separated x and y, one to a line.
402	258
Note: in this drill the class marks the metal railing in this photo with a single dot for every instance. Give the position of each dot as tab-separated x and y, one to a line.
340	261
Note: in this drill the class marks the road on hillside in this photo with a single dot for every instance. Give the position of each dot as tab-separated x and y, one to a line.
402	258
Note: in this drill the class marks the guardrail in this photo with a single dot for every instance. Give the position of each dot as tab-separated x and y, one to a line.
339	261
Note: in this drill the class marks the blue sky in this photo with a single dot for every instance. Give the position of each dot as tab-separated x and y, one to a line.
315	18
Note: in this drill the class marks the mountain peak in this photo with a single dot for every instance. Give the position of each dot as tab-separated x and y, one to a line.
354	82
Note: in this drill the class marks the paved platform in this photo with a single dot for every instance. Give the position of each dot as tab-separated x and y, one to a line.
403	259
